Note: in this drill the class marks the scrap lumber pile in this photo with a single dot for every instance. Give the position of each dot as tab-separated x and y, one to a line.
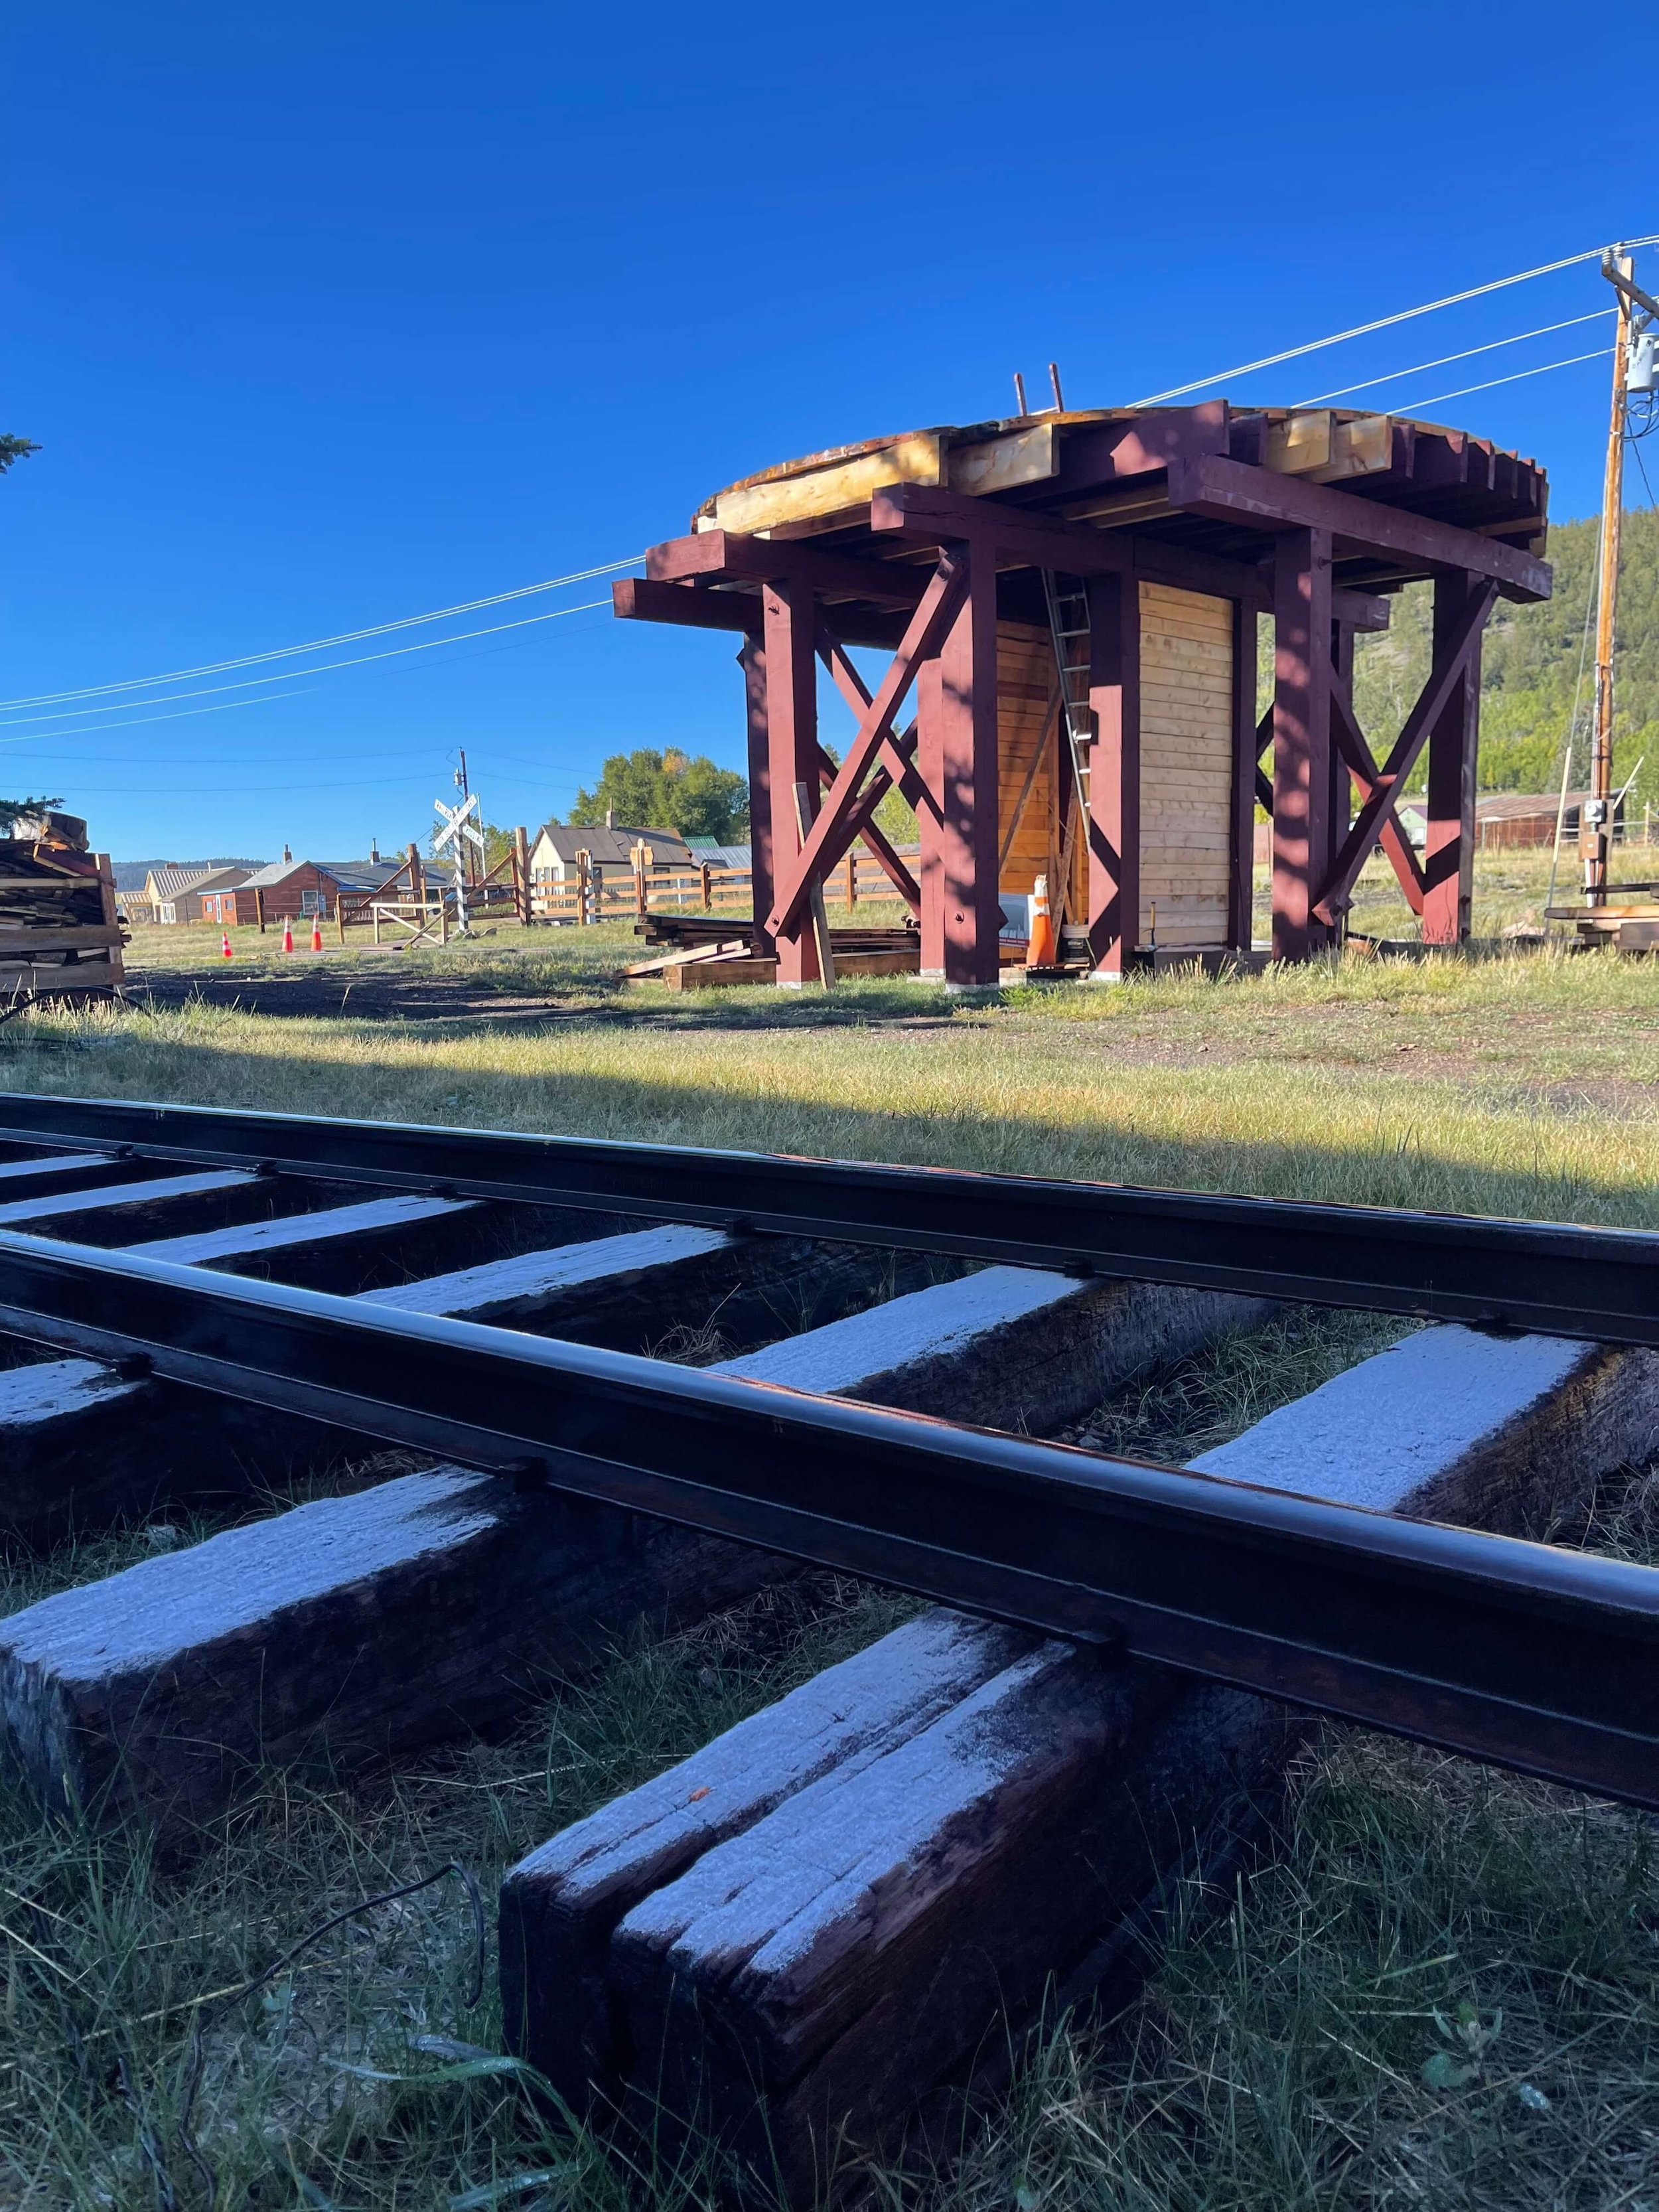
60	933
1631	925
705	952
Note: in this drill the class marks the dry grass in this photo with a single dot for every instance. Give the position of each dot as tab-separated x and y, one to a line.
1327	2035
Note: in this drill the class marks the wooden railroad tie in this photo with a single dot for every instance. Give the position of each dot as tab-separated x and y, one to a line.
818	1931
805	1935
338	1631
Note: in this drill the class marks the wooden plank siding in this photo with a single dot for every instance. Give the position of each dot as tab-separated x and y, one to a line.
1026	686
1025	676
1186	764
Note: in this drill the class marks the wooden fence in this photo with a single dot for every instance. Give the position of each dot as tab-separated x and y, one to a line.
422	904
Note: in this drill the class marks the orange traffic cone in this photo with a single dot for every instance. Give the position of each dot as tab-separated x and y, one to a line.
224	944
288	935
1040	934
316	932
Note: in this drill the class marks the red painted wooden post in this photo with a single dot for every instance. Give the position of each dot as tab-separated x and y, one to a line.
1339	806
956	700
792	720
1448	850
751	658
1301	738
1241	888
1114	773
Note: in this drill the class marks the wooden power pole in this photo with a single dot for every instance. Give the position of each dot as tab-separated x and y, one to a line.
1596	829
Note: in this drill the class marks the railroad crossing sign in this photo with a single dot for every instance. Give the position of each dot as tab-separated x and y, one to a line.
458	823
458	830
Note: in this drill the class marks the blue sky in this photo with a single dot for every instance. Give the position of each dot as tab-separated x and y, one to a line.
327	316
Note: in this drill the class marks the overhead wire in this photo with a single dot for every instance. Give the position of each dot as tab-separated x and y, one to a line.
325	644
358	660
1492	346
1386	322
1409	406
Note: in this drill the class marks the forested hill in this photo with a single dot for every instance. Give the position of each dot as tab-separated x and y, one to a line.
1530	666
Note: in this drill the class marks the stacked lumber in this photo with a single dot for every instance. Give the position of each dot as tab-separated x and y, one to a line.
59	935
707	953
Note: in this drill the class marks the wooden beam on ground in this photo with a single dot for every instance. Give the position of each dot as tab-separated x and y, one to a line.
125	1198
360	1625
858	1900
41	1177
80	1448
257	1240
1229	491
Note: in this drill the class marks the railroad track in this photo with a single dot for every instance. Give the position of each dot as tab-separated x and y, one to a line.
308	1284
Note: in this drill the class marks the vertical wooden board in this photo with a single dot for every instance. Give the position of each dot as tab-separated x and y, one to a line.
1025	679
1187	714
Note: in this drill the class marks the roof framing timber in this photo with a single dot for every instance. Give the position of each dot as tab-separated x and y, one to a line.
1233	491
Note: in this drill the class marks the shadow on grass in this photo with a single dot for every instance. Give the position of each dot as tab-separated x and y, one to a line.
1401	1164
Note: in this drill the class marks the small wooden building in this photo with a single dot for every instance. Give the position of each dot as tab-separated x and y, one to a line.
1071	602
608	846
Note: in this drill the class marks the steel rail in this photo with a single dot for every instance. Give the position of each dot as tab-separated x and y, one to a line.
1544	1277
1515	1653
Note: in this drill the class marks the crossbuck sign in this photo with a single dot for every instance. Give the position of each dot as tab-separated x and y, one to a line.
459	829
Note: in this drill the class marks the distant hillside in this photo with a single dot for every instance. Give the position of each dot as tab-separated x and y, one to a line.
1530	665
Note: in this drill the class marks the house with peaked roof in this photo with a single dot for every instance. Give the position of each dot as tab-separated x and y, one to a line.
295	891
167	889
608	846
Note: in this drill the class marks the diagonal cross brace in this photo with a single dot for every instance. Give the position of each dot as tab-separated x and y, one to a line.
835	826
1379	807
891	755
863	825
895	765
1350	741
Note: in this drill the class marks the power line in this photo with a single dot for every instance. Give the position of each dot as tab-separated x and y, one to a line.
255	790
321	644
1385	322
1468	353
52	737
1409	406
358	660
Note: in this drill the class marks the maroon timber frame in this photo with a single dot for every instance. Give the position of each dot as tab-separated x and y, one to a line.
922	583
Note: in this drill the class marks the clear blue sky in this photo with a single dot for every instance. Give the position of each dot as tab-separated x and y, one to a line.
328	315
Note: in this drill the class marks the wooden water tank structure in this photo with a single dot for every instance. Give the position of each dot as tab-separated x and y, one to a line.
1071	605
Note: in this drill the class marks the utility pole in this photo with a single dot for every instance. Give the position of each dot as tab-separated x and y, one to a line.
465	790
1596	829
